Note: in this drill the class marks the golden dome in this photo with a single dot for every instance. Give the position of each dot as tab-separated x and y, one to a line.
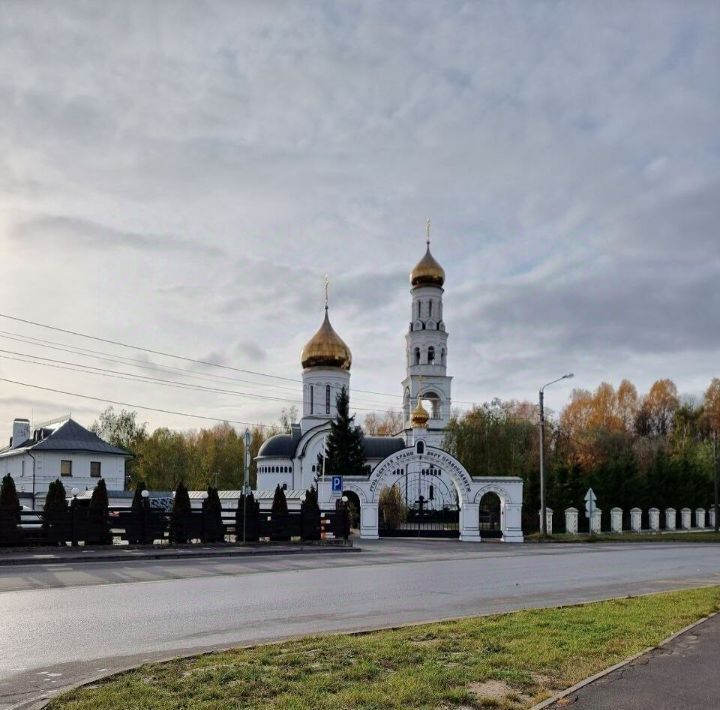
326	349
427	272
419	417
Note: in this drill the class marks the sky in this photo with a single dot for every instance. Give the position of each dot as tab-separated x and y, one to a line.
180	176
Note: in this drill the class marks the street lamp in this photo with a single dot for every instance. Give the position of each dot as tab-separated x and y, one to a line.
543	515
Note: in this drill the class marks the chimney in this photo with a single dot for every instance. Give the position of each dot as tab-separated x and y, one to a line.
21	432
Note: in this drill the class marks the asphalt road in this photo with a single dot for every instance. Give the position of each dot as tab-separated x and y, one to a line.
63	624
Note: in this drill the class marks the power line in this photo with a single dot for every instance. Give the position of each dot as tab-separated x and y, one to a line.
108	357
184	358
134	406
131	377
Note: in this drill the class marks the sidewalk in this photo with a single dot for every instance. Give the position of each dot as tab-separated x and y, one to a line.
125	553
682	674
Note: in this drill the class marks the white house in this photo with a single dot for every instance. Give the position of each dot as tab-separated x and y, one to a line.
61	449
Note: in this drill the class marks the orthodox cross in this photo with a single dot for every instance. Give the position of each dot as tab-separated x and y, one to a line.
427	230
327	286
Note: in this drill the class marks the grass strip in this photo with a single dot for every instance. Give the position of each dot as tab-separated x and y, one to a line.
509	661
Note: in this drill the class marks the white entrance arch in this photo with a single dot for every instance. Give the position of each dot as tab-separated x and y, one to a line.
470	490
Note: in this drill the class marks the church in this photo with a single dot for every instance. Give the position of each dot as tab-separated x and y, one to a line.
438	492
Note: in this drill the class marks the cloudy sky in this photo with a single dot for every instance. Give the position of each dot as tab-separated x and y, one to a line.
180	175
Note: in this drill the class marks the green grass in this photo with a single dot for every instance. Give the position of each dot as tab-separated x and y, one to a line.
706	536
506	661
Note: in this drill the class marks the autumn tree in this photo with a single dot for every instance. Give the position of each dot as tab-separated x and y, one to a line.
387	424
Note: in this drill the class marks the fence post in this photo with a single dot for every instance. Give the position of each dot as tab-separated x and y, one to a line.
571	521
596	522
654	519
700	517
616	520
74	509
548	520
685	518
636	520
670	519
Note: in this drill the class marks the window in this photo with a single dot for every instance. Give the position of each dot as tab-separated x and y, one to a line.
419	309
430	308
442	356
312	397
420	448
417	356
66	468
432	492
431	355
327	399
95	469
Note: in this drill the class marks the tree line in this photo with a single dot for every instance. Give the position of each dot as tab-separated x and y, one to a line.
646	450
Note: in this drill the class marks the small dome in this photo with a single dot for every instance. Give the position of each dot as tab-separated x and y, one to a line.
419	417
326	349
427	272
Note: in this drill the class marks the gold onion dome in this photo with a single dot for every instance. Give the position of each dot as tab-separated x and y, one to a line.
427	271
326	349
419	417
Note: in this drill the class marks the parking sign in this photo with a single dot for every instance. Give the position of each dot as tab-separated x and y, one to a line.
337	485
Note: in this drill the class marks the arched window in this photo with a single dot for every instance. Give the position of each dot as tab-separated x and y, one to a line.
430	309
327	399
417	356
312	397
442	356
432	492
420	447
419	309
431	355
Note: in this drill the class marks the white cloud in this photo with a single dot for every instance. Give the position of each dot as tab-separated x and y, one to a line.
567	153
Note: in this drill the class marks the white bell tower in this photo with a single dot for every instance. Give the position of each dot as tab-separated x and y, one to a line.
426	349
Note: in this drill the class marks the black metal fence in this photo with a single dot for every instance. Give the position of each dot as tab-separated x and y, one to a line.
145	526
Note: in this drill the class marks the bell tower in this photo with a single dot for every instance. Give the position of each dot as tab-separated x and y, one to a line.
426	378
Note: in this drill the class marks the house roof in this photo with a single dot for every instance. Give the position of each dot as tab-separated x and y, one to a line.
68	436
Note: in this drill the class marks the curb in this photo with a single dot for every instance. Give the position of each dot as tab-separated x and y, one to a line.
178	555
591	679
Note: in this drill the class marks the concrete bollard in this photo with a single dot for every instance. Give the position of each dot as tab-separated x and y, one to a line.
616	520
636	520
654	519
571	521
670	519
699	517
686	518
596	521
711	518
548	519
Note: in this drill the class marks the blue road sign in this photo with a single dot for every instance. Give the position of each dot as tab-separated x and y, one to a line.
337	485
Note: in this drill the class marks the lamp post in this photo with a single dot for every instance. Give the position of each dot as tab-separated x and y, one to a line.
246	478
543	515
716	466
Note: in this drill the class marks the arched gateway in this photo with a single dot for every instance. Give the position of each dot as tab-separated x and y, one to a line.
438	482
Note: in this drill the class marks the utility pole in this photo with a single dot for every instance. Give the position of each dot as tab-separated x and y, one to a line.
246	479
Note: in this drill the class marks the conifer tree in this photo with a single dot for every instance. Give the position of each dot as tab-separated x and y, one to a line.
311	498
181	503
99	498
56	498
279	505
345	449
137	498
9	501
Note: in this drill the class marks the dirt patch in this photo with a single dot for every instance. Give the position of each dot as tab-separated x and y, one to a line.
491	689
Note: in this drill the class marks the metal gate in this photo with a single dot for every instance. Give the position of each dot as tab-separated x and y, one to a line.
431	504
